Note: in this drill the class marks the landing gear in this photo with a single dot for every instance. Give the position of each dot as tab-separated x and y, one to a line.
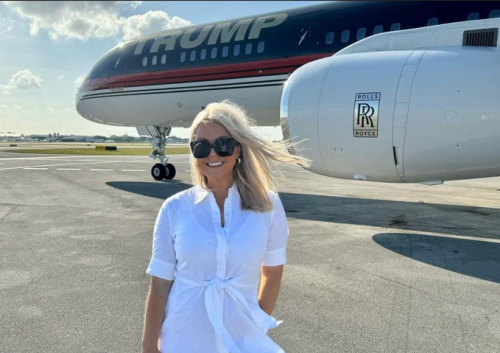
162	170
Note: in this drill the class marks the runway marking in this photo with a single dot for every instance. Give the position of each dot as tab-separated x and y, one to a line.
56	165
42	158
132	170
28	168
101	170
304	171
67	169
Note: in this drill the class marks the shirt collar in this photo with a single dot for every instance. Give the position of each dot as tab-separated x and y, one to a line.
201	193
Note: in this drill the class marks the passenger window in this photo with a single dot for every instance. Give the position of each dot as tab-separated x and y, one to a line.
183	56
236	50
395	27
432	22
248	48
214	53
378	29
361	33
344	37
260	47
495	13
144	61
164	58
329	37
225	51
153	61
473	16
192	56
203	54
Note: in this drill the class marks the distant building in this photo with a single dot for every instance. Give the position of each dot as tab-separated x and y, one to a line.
10	136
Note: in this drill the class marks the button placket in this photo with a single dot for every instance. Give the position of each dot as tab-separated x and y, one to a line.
221	242
227	225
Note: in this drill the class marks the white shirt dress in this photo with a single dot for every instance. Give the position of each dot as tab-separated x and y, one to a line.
212	306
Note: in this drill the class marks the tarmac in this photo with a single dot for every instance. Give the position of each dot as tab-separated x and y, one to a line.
372	267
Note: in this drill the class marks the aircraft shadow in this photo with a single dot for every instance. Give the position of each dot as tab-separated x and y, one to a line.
470	221
157	189
412	216
473	258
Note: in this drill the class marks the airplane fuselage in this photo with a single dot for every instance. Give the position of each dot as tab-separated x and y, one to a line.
166	78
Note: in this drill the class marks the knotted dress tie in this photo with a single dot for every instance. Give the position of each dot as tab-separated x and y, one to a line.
214	296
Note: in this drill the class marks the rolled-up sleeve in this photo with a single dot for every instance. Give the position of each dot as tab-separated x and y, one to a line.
163	259
278	236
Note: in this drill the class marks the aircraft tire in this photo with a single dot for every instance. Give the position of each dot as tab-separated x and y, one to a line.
158	172
170	171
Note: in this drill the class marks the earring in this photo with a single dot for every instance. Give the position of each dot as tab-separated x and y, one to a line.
238	161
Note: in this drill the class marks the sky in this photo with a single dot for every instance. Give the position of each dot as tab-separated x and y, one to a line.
47	47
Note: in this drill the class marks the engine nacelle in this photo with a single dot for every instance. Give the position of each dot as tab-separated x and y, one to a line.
425	115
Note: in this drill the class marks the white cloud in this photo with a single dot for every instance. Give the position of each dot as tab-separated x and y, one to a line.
6	25
79	80
91	19
135	4
23	79
60	77
18	107
4	106
150	22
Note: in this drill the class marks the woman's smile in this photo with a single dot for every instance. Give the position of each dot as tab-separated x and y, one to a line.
214	164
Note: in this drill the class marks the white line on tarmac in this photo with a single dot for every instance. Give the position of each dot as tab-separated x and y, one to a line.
132	170
67	169
101	170
42	158
56	165
35	168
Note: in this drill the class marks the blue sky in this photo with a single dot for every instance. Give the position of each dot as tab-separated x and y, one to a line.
48	46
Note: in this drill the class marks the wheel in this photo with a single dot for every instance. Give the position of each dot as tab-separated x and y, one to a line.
158	171
170	171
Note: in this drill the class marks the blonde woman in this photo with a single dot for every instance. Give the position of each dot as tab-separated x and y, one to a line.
213	241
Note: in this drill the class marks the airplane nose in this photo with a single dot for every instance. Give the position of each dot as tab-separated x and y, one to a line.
84	88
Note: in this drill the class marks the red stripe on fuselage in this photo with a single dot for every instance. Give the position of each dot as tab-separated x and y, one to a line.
205	73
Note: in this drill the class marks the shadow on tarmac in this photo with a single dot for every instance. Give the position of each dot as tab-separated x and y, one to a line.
410	216
473	258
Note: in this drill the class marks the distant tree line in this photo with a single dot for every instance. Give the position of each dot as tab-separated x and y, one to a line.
100	138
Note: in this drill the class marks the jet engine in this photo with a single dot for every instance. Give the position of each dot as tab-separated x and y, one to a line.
420	115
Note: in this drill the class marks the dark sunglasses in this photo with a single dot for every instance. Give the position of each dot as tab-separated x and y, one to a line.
224	147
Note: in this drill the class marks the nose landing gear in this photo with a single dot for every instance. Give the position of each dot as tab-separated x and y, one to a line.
162	170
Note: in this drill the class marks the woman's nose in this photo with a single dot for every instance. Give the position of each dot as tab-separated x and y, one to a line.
212	152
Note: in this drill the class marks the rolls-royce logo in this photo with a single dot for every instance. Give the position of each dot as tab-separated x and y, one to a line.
366	107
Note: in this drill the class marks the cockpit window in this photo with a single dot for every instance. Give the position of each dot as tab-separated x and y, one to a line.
101	69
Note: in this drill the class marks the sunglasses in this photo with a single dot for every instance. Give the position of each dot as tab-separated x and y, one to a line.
224	147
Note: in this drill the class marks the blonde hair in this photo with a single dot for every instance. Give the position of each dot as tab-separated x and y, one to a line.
252	175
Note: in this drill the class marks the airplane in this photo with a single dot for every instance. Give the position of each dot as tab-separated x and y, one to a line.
380	91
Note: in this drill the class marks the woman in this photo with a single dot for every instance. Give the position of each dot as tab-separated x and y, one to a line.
212	241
